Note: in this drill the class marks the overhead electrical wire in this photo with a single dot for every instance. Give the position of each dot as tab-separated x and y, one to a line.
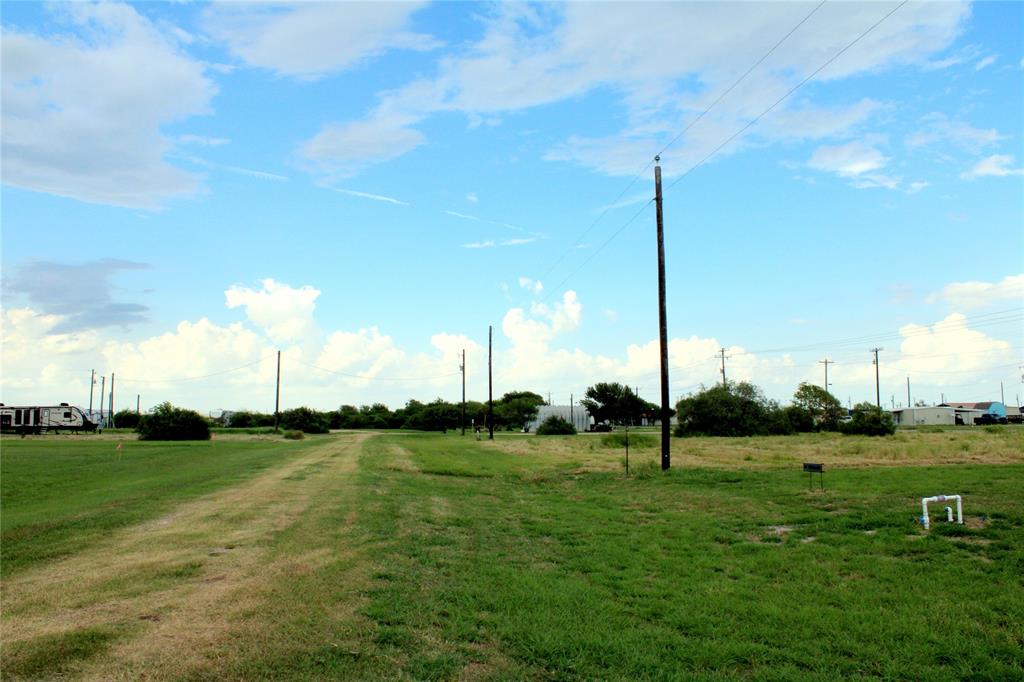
746	127
375	378
675	139
193	378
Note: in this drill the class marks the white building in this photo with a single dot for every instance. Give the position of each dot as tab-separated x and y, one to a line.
577	416
936	415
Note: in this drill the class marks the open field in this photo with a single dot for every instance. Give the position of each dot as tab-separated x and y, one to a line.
405	555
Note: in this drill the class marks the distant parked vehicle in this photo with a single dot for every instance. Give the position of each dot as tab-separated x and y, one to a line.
42	419
989	419
600	428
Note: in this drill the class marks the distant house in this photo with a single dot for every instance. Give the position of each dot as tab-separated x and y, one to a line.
575	415
996	409
922	416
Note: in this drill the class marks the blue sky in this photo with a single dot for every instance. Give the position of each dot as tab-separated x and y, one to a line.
189	187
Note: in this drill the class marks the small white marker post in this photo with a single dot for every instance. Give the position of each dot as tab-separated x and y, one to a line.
941	498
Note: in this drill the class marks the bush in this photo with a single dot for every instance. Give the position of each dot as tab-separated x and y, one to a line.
167	422
126	419
736	409
248	420
617	439
556	426
869	420
294	435
305	419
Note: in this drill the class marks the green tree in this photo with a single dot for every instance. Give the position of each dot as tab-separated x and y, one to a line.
516	409
167	422
736	409
869	420
823	407
618	404
126	419
556	426
305	419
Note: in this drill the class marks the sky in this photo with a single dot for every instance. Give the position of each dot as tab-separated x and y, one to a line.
189	188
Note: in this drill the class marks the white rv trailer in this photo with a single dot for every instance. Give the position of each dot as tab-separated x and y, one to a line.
41	419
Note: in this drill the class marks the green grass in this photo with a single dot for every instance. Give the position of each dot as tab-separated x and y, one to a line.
60	494
699	573
443	557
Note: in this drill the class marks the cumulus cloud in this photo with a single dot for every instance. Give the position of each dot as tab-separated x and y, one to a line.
284	312
82	116
997	165
971	295
80	295
310	40
534	55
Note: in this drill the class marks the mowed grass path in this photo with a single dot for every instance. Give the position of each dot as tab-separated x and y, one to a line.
435	557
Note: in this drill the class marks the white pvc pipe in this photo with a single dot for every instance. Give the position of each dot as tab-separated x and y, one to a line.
949	512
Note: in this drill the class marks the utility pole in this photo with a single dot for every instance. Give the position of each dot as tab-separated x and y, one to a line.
878	395
103	394
908	393
138	402
462	368
826	362
92	385
110	412
1002	396
662	319
572	414
722	353
893	398
490	385
549	398
277	395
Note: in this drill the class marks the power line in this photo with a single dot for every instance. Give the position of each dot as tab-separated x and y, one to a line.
675	139
736	134
202	376
787	95
373	378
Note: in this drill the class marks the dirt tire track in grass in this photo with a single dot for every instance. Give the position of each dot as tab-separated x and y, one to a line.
174	589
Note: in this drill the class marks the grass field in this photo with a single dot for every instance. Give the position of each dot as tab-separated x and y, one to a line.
415	556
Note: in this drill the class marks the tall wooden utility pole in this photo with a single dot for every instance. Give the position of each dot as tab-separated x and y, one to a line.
138	403
103	392
277	395
110	412
662	320
878	394
826	362
462	368
908	392
92	385
722	353
490	386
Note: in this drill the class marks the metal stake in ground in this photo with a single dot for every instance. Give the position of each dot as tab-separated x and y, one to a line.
662	319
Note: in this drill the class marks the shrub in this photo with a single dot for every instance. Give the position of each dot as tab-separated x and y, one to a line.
247	420
167	422
556	426
126	419
305	419
869	420
617	439
294	435
736	409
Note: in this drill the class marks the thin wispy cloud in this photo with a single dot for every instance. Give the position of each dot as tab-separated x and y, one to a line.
250	172
490	243
629	201
479	245
372	197
461	215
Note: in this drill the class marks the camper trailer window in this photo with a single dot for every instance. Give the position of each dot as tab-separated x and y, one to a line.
67	415
17	417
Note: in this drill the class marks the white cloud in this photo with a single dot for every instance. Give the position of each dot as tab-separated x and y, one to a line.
461	215
848	160
82	117
536	55
372	197
938	129
342	150
970	295
997	165
285	313
530	285
987	61
203	141
472	198
309	40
